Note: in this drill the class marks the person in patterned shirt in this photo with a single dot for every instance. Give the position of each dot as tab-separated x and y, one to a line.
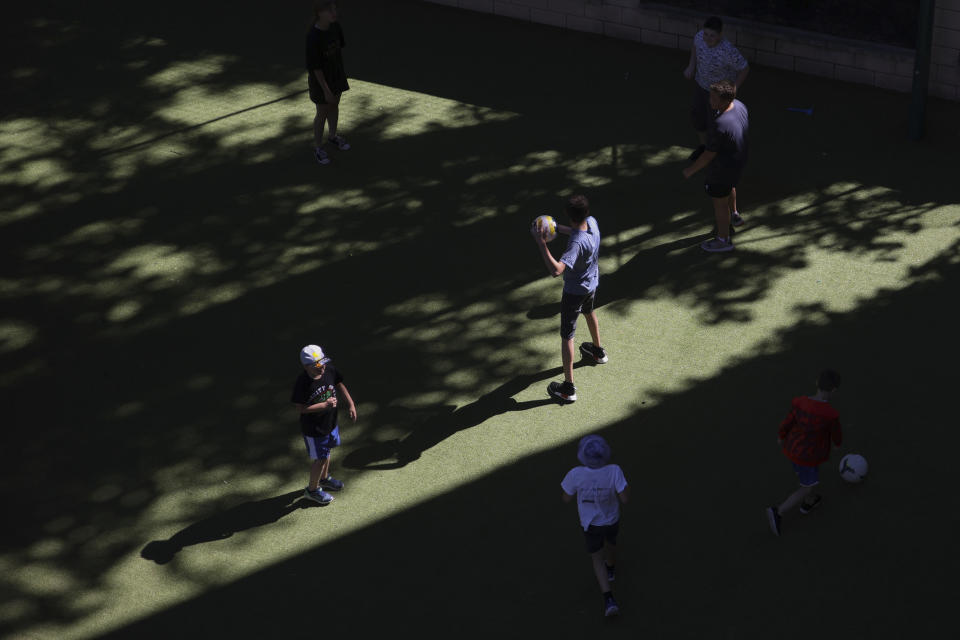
805	436
712	59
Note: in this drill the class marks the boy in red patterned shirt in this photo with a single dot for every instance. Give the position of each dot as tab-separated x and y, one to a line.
805	436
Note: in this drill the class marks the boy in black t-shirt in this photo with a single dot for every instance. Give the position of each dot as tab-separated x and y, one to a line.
315	394
325	75
724	158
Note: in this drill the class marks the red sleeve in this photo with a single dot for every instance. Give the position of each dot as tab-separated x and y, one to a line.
836	433
786	425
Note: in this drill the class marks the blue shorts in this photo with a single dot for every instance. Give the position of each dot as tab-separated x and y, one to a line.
318	447
809	476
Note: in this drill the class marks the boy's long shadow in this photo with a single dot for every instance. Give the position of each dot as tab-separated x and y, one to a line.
397	453
223	525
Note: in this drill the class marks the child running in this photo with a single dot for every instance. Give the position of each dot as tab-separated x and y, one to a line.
805	436
599	488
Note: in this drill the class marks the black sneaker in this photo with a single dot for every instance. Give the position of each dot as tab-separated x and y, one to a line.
736	219
610	606
696	153
807	507
562	391
611	573
593	352
774	517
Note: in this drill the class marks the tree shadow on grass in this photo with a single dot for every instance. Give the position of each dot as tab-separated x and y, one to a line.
438	427
223	525
692	551
131	263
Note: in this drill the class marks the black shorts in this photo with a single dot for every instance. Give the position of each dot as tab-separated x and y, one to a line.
337	83
316	97
718	190
700	111
571	305
595	536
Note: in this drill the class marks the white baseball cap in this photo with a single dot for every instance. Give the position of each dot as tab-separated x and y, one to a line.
312	355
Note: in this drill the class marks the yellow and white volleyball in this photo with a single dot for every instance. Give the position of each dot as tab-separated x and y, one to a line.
548	223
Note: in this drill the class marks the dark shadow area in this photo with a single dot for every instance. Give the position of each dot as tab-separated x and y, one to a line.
223	525
153	298
889	22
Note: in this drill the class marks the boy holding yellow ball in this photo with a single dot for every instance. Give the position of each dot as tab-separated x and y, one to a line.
581	274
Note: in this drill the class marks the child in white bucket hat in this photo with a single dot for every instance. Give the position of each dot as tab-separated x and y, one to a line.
599	487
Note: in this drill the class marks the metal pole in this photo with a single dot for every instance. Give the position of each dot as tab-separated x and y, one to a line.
921	69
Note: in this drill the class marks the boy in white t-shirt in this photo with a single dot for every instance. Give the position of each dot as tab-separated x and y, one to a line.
599	488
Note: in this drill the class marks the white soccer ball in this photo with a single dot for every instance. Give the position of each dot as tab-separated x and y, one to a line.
853	467
548	223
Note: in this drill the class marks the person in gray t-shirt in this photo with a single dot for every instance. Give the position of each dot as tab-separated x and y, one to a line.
581	273
725	155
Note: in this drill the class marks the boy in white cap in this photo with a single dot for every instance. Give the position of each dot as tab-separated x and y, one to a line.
599	488
315	394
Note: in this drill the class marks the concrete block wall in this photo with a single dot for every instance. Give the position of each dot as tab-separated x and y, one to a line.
945	62
766	45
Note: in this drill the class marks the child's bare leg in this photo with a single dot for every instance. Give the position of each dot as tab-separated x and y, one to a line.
594	327
600	570
733	200
721	212
316	473
566	355
333	114
610	554
794	499
318	122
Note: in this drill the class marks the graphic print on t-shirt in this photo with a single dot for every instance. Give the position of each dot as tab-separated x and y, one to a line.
309	391
322	394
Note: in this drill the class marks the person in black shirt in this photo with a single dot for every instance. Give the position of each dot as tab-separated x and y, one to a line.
326	77
726	155
316	394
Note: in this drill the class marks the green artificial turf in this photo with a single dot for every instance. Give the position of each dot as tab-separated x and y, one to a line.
168	245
